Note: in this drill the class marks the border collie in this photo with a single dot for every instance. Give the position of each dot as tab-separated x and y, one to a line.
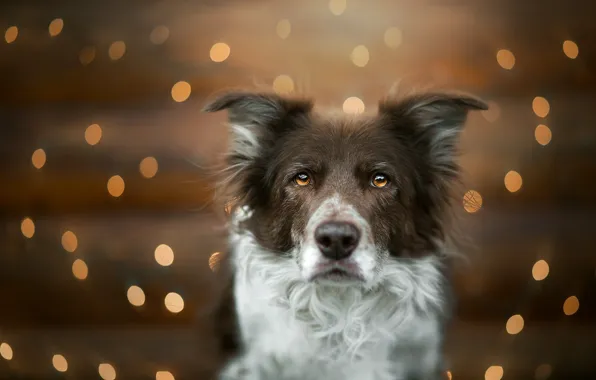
339	248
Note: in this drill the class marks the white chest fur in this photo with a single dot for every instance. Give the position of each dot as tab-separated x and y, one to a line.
295	330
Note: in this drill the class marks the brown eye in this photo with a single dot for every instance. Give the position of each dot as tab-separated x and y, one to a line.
302	179
379	180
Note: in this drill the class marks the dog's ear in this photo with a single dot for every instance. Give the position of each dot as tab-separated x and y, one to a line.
256	118
432	123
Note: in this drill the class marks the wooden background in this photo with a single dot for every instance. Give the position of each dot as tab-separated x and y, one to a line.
49	98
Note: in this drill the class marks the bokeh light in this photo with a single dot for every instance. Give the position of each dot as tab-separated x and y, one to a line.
148	167
543	134
11	34
116	186
492	113
283	84
515	324
181	91
136	296
107	371
449	375
69	241
540	270
505	59
494	372
353	105
6	351
59	362
80	269
38	158
472	201
159	35
360	56
570	49
164	255
87	55
543	371
214	260
164	375
28	228
392	37
93	134
540	106
513	181
55	27
219	52
571	305
117	50
283	29
337	7
174	302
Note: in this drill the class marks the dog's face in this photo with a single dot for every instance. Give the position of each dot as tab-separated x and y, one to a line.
342	196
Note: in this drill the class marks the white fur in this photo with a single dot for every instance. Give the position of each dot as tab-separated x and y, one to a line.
294	329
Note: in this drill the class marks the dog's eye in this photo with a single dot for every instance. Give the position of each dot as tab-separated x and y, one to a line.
379	180
302	179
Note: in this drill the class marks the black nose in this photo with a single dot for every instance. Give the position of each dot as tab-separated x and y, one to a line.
337	240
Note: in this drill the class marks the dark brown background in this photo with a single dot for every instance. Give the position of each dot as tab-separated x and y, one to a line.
48	99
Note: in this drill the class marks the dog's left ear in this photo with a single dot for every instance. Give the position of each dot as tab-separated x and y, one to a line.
432	123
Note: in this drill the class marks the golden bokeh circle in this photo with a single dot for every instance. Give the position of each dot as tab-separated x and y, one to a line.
543	134
337	7
164	375
540	270
505	59
570	49
117	50
116	186
571	305
353	105
159	35
494	372
11	34
513	181
80	269
59	362
472	201
148	167
28	228
69	241
55	27
6	351
136	296
392	37
515	324
540	106
283	29
283	84
219	52
93	134
449	375
181	91
164	255
360	56
38	158
107	371
174	302
87	55
214	260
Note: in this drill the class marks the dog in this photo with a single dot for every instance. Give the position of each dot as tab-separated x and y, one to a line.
339	258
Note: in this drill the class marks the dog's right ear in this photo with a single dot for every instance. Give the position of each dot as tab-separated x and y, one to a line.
256	117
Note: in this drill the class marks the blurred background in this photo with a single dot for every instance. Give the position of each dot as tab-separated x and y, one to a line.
107	230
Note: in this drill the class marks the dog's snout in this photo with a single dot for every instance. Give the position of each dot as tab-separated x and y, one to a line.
337	240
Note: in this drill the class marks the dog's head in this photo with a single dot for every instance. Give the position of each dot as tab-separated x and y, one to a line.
344	195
